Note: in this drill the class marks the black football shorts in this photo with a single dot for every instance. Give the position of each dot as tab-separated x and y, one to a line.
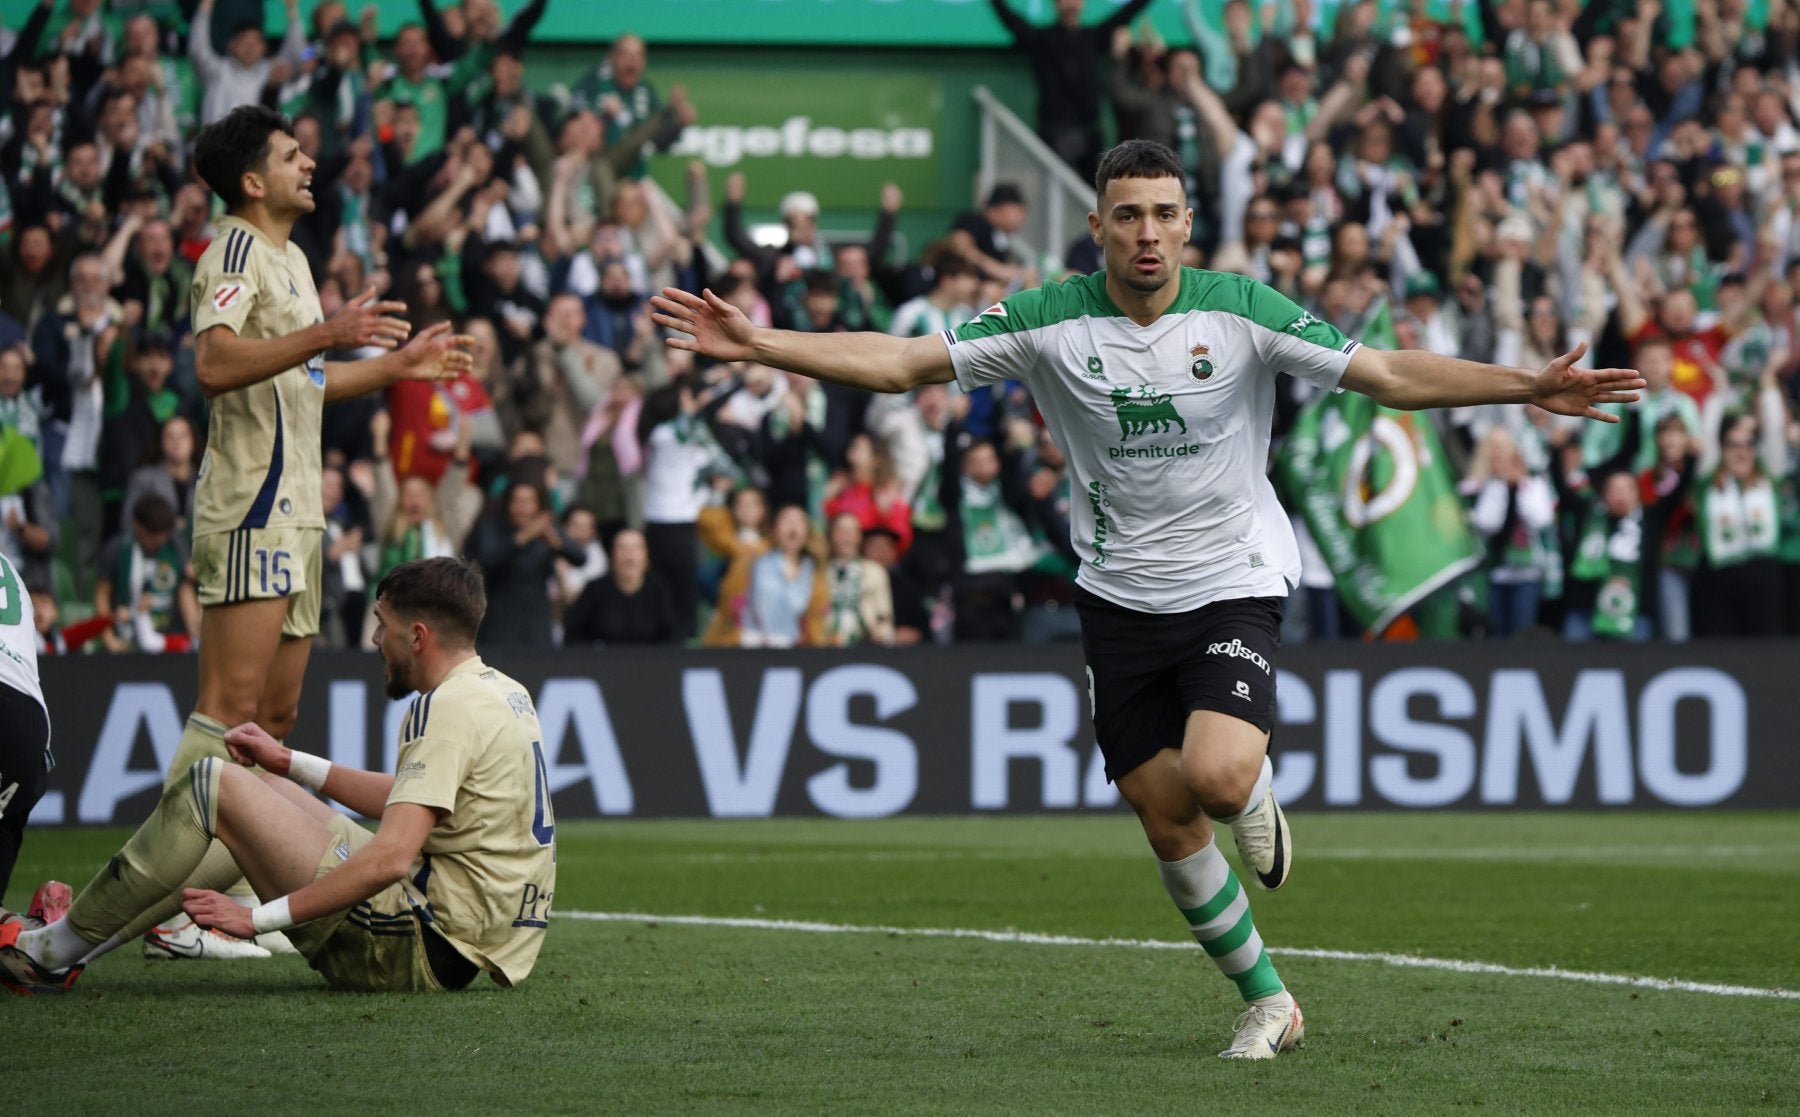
1147	671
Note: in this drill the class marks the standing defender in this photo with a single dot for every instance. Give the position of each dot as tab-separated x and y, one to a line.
1159	384
259	345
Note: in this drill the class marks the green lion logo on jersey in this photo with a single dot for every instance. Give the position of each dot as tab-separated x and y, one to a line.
1145	412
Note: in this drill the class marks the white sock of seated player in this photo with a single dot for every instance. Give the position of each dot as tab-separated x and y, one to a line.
55	945
1263	779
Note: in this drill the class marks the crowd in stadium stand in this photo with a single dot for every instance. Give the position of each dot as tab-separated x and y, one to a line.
1620	172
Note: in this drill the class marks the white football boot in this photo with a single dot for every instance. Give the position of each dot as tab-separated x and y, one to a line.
1264	843
182	938
1267	1030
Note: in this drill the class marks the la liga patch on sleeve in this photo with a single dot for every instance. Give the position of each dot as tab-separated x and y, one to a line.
227	295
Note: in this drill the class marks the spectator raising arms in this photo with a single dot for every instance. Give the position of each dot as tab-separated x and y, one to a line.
1065	64
517	546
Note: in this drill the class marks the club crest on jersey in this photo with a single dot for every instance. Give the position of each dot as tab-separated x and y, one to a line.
1201	367
227	295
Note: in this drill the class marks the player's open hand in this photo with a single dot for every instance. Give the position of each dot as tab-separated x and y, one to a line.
712	325
218	913
250	745
1567	390
437	354
363	322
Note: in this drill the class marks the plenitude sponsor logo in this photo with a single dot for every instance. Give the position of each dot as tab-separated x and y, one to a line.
1185	450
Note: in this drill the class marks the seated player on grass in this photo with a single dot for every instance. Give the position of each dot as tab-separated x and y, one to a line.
458	878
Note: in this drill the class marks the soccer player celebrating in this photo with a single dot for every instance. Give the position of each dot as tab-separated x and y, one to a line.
1159	384
259	345
457	880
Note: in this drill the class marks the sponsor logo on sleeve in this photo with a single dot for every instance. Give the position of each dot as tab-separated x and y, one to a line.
227	295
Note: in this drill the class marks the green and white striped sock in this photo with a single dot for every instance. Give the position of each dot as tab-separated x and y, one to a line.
1218	913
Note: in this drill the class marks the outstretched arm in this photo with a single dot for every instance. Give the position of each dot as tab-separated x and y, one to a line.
436	354
871	361
224	361
1414	379
1014	24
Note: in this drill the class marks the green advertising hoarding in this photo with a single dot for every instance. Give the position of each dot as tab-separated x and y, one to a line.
871	23
835	133
796	22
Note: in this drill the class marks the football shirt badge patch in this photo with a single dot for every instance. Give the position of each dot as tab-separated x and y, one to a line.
227	295
1201	367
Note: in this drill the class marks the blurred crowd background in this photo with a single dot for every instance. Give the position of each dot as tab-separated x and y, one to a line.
1499	183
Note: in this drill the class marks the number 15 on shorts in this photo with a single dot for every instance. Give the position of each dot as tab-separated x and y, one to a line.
273	567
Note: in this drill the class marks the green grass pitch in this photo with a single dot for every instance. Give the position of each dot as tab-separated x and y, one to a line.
643	1017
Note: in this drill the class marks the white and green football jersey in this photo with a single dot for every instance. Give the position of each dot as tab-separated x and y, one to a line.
1166	427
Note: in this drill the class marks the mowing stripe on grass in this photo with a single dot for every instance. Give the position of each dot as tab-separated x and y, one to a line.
1407	961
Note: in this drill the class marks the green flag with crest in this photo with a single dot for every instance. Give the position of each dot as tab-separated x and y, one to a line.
1378	497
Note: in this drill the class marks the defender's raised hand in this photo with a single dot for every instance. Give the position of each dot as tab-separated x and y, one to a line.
1568	390
362	322
712	325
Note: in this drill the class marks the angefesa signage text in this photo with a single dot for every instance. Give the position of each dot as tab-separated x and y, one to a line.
960	730
834	132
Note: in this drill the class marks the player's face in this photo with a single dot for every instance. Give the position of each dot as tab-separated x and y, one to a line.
394	642
1140	227
286	177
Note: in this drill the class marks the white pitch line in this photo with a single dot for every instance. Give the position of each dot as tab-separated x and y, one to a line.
1032	938
1523	854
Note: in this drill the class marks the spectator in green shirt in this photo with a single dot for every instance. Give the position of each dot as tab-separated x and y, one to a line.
417	83
617	91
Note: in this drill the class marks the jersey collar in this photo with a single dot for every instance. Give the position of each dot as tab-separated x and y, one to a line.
1097	280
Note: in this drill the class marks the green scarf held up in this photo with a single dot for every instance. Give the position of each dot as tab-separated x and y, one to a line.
1614	559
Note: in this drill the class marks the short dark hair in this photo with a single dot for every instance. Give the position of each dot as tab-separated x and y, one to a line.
154	514
233	145
820	282
446	593
1137	159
